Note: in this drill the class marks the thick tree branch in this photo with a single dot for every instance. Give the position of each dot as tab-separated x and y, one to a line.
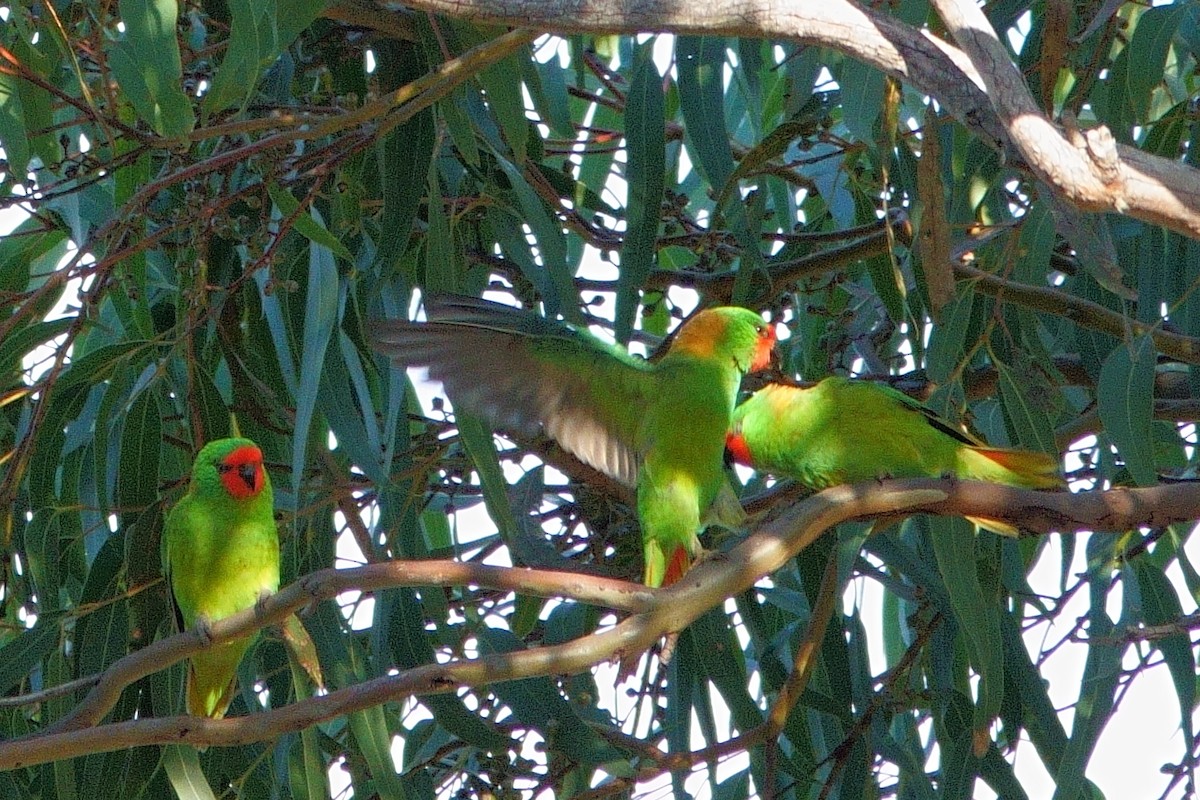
1088	169
873	37
657	612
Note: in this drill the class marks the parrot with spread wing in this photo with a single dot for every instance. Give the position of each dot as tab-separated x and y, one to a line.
849	431
220	554
656	426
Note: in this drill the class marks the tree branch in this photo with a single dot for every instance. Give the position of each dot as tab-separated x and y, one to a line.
1082	312
656	612
329	583
1088	169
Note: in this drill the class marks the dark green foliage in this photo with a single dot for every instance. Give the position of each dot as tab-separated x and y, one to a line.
240	199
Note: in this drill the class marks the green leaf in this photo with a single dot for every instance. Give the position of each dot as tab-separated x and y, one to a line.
306	769
1160	605
701	65
1033	426
502	83
721	658
1138	70
148	69
26	108
562	298
102	635
28	254
645	175
141	444
306	225
25	652
477	441
43	537
343	659
536	702
411	647
404	156
862	99
1098	685
955	544
259	33
549	90
946	342
14	129
1125	401
182	764
320	317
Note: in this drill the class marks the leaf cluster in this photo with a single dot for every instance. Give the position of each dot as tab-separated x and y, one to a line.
215	201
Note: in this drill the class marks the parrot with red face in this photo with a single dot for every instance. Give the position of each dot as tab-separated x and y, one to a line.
220	554
848	431
658	427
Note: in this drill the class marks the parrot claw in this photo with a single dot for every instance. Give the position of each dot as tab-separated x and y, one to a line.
263	596
203	628
709	555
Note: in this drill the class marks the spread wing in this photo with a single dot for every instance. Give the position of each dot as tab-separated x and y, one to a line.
529	375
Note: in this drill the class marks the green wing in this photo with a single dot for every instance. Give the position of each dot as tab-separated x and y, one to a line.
170	533
185	529
529	375
931	418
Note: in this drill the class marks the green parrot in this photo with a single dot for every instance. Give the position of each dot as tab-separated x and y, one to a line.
849	431
656	426
220	554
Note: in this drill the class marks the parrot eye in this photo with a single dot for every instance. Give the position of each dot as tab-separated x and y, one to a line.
223	468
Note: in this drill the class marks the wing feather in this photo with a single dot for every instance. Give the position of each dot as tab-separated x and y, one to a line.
528	375
931	417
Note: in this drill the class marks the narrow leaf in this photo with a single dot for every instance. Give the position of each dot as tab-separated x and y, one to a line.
320	317
182	764
1125	400
304	224
148	69
645	173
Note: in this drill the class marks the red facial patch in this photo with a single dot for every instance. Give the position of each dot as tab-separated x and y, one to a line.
735	443
242	472
765	350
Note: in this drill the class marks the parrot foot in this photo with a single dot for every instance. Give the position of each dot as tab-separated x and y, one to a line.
263	596
709	555
313	588
203	628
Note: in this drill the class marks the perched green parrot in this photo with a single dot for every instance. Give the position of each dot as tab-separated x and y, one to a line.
657	426
848	431
220	553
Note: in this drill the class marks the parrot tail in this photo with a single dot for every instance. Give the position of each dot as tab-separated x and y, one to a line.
997	526
677	566
1027	469
212	679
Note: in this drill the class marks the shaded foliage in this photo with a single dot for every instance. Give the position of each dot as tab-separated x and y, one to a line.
217	206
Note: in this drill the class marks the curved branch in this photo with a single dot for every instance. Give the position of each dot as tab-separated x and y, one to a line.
659	612
329	583
1085	313
1089	169
873	37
